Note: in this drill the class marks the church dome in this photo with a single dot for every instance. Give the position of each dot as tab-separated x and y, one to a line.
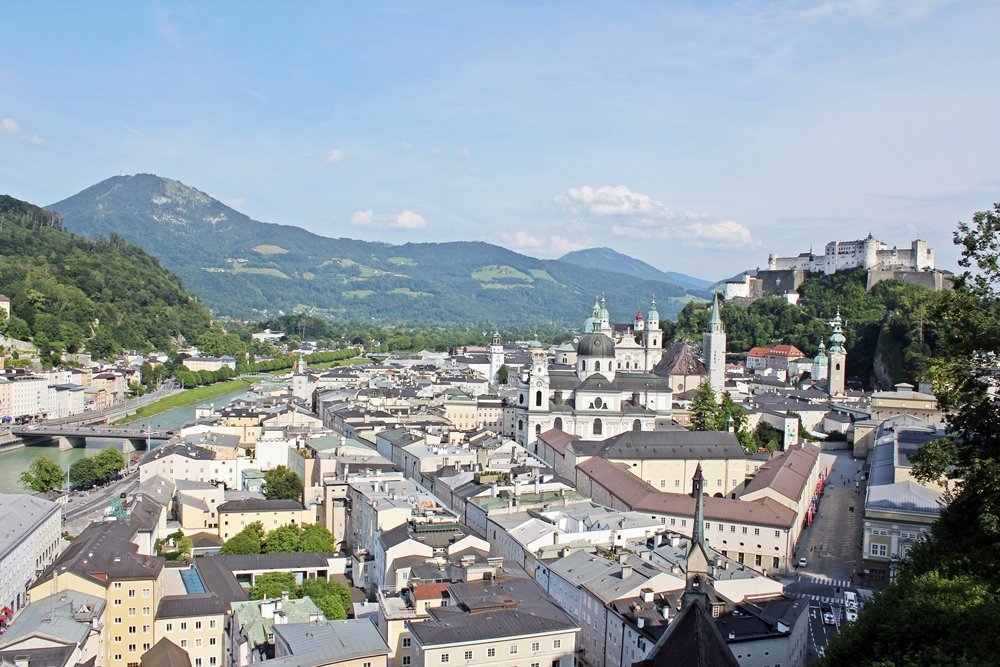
595	345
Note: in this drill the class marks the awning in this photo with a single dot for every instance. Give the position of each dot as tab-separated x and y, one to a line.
8	611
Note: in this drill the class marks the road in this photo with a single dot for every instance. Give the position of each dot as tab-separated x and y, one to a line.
79	512
832	549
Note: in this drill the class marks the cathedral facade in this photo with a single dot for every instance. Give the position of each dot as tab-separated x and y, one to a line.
608	389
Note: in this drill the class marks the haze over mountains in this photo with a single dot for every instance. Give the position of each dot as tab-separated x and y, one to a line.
245	268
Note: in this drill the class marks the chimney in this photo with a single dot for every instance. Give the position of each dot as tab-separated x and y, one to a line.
640	622
517	488
538	486
647	594
732	636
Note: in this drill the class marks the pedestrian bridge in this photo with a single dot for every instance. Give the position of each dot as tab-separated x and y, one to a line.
68	437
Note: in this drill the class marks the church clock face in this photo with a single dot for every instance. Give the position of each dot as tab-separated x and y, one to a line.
598	403
538	384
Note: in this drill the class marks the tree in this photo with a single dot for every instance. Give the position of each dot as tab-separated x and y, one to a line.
503	374
85	473
184	545
242	543
283	540
316	538
704	409
109	463
43	474
282	484
333	598
272	585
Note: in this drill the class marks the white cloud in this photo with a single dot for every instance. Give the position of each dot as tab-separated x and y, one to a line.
235	202
463	153
334	155
634	215
613	200
872	10
405	220
11	128
435	152
541	244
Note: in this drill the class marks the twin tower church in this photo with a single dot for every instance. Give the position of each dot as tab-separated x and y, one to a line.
610	378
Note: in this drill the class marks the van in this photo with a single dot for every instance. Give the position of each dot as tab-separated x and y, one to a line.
851	600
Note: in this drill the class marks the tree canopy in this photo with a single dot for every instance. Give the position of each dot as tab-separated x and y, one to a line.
93	470
43	474
284	539
332	597
282	484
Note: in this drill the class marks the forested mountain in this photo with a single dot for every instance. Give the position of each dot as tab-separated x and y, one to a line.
612	260
245	268
890	336
70	293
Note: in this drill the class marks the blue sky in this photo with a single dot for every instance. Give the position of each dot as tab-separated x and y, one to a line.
696	136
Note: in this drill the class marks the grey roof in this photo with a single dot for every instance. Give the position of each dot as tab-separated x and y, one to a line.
491	610
165	653
282	561
103	553
218	579
52	656
64	616
680	359
259	505
760	619
314	644
692	639
433	534
181	449
672	444
21	515
201	604
256	627
907	496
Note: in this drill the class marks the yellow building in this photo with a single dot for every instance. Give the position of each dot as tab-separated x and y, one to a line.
236	515
103	562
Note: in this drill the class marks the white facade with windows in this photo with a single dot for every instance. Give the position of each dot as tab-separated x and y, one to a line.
30	539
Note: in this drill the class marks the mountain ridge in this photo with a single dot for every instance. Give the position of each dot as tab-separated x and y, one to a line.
243	267
630	266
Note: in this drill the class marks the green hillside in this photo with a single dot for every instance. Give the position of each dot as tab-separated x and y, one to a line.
101	295
244	268
613	260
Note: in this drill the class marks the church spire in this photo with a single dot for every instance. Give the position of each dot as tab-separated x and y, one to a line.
716	317
698	490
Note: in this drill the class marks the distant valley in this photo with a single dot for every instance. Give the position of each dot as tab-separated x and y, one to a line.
241	267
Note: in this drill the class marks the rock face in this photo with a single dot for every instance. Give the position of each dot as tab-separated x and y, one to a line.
243	267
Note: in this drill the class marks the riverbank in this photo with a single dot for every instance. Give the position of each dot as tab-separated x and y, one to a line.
187	397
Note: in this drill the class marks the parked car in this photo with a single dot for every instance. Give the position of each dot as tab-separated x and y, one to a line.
802	562
851	615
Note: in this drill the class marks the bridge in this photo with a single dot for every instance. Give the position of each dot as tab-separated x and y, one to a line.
67	436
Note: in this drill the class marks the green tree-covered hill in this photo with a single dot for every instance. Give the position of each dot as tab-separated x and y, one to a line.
890	336
74	293
244	268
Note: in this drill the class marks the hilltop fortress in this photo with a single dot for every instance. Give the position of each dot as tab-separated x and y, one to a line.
784	274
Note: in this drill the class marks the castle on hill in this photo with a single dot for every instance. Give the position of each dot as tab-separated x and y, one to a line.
784	275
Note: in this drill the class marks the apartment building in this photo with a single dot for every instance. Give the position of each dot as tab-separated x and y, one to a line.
30	539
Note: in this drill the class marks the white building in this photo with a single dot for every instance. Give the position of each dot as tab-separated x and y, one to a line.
868	253
30	539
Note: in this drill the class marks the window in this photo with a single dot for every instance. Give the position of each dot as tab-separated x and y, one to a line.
512	649
212	661
406	661
118	620
598	427
131	629
145	629
491	653
406	642
878	550
118	639
170	627
718	482
536	646
673	522
468	655
557	643
118	656
131	611
197	662
777	533
118	601
211	641
145	592
184	626
758	560
131	648
211	624
732	528
684	522
744	530
558	423
538	398
597	366
118	585
197	625
708	525
445	658
663	483
197	642
775	562
145	646
184	643
131	592
145	611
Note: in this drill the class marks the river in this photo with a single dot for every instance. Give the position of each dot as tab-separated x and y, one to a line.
15	461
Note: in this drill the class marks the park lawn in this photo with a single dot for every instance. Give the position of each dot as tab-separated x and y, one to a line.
186	397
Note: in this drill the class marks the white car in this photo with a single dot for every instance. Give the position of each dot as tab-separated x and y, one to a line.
851	615
802	562
829	618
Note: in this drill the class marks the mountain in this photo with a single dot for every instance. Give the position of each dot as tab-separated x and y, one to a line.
612	260
69	292
242	267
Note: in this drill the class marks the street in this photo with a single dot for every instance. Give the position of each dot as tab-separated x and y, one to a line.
79	512
832	549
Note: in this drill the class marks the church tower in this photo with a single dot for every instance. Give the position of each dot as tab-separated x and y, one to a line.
820	363
838	357
697	556
652	341
300	380
713	349
496	357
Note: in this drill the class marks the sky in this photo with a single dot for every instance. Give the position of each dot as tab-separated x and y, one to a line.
696	136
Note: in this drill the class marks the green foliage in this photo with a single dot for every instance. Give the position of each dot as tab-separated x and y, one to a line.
283	540
767	438
704	410
85	473
242	543
316	538
272	585
333	598
890	333
282	484
43	474
219	344
184	545
707	415
503	374
109	462
68	292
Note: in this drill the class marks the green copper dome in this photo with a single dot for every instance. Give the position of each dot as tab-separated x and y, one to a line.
652	314
595	345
